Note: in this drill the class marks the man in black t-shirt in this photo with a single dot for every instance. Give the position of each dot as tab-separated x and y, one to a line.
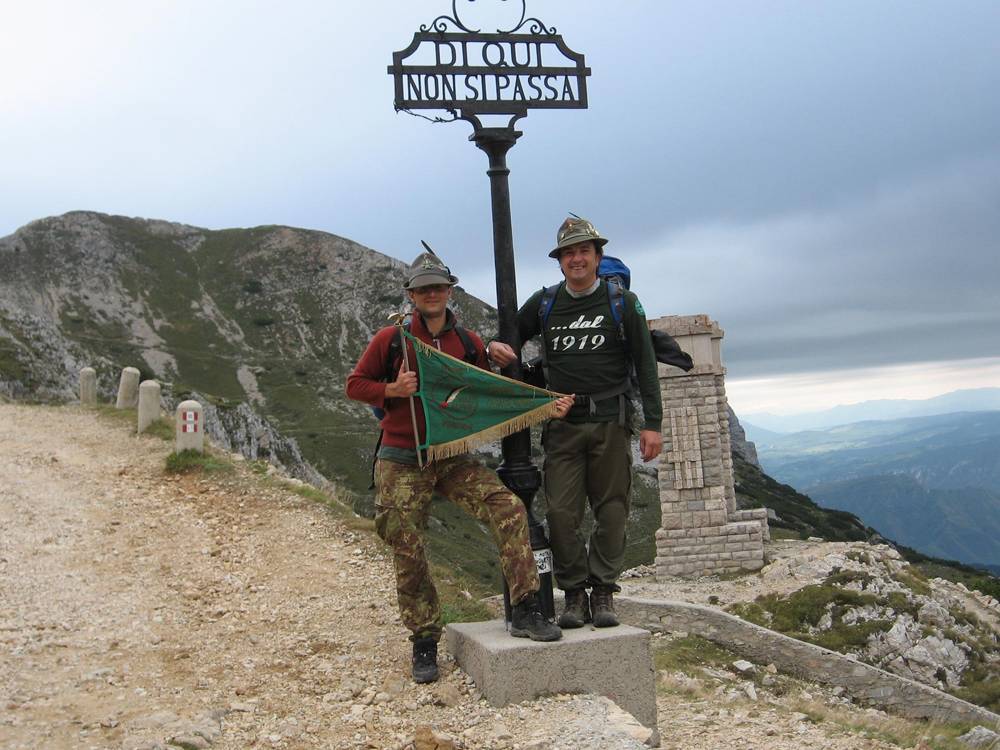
588	458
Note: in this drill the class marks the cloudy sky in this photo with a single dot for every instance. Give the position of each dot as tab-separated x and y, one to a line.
822	178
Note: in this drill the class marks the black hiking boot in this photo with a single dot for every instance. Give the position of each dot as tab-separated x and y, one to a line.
577	609
604	607
425	666
527	621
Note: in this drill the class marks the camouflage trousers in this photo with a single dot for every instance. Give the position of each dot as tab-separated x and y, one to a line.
401	509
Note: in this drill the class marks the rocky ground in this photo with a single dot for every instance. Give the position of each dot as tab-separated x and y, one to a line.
142	610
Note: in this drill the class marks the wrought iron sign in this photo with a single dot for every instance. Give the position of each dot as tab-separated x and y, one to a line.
469	72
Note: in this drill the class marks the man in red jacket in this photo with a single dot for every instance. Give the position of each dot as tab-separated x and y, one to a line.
404	490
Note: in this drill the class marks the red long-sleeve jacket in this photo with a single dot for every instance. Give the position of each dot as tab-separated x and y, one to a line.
367	382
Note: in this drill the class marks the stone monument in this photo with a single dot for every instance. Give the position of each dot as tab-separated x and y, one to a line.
701	530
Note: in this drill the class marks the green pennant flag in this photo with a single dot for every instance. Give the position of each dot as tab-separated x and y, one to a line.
466	406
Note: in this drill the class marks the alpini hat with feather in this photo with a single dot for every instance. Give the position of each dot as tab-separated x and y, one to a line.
576	229
428	269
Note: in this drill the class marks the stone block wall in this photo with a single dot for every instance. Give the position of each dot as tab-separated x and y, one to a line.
701	532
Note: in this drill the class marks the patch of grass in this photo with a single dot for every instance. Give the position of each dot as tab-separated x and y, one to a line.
965	617
189	461
894	730
914	580
689	654
258	467
461	609
850	576
980	685
899	602
339	504
804	608
751	612
124	417
859	556
800	612
162	428
989	585
779	534
844	637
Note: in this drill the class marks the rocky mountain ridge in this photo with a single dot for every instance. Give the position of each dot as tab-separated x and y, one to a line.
272	317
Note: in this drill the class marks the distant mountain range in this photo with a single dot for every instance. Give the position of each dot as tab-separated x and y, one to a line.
932	483
970	399
960	524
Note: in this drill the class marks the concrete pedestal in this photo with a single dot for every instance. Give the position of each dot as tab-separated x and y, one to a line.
613	662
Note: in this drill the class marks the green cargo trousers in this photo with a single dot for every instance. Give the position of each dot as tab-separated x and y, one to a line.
588	462
401	509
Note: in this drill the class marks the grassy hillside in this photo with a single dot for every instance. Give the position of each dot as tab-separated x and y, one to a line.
797	514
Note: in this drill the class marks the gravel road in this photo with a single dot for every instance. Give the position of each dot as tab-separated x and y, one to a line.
144	611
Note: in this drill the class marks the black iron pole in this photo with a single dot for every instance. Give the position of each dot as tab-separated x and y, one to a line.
517	471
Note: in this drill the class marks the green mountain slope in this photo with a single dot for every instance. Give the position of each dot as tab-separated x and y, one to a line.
272	316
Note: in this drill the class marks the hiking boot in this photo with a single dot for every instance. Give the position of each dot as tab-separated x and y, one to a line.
577	609
527	621
604	607
425	666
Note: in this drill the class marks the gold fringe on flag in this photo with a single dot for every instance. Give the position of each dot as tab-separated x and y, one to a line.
496	432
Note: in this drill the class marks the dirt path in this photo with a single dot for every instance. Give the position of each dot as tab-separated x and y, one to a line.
138	610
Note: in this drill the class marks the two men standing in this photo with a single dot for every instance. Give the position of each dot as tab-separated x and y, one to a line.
593	337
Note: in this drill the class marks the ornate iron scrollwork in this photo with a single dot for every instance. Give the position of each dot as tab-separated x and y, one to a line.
440	23
537	27
449	66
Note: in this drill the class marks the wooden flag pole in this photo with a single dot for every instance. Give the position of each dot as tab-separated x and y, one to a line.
406	368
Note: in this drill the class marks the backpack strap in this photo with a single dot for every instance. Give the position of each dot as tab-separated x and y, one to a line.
544	310
395	354
545	304
471	356
616	300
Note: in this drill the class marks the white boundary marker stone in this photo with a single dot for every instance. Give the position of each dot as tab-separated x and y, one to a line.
149	404
190	427
128	389
88	387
